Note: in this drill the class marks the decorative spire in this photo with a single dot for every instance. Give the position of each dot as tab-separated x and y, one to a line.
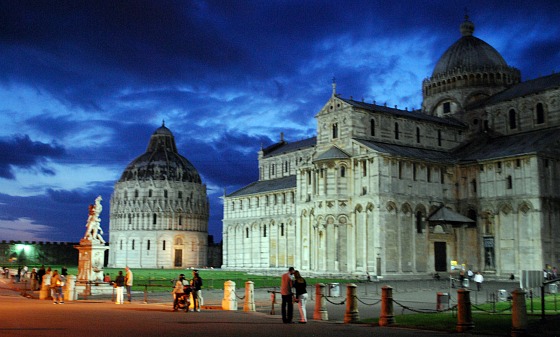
163	122
467	27
334	86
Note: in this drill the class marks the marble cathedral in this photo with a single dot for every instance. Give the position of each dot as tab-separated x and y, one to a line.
472	177
159	210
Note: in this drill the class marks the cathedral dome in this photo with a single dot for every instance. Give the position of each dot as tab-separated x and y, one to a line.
161	161
469	54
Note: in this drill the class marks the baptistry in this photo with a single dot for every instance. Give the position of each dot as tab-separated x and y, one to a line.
159	210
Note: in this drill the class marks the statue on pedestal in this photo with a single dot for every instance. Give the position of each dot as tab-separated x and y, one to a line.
93	226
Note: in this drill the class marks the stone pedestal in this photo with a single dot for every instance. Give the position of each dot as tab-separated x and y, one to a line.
352	314
387	316
518	313
464	313
90	267
320	313
229	302
249	304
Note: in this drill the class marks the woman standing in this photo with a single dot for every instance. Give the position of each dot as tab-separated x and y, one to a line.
301	296
119	284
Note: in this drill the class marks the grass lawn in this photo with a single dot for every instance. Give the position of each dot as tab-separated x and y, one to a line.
161	279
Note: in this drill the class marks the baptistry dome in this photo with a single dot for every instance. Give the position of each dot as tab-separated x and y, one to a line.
159	210
161	161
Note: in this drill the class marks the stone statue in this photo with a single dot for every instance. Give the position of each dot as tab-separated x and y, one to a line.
93	226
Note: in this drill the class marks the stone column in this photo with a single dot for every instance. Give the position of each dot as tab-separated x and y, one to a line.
229	302
387	317
352	315
464	315
518	313
320	313
249	304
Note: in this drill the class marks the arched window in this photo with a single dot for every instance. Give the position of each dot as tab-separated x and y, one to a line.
419	224
335	130
509	183
125	194
133	242
396	130
342	171
264	231
247	233
372	127
512	120
154	219
150	193
540	113
163	245
148	245
282	229
165	193
418	135
130	219
439	137
136	193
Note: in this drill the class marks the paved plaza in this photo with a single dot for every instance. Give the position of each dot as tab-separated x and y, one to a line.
98	315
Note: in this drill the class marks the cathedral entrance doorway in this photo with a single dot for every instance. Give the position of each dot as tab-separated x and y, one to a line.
178	258
440	256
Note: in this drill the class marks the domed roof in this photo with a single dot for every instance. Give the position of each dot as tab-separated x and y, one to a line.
470	54
161	161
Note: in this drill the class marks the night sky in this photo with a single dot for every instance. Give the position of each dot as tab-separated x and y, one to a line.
83	85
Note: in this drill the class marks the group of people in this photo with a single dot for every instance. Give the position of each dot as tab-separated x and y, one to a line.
550	273
120	282
184	289
293	288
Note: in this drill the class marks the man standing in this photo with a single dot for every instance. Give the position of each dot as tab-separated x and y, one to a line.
128	284
287	296
197	292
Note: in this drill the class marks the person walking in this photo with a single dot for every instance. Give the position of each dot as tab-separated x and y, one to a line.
301	296
196	290
478	279
128	283
286	286
119	285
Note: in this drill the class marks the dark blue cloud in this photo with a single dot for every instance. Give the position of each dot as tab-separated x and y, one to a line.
23	153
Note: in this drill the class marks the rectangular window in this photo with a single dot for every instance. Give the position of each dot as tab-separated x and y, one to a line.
446	107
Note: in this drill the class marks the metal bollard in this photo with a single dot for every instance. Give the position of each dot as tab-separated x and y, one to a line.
387	316
464	314
518	313
249	304
229	302
352	315
320	313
